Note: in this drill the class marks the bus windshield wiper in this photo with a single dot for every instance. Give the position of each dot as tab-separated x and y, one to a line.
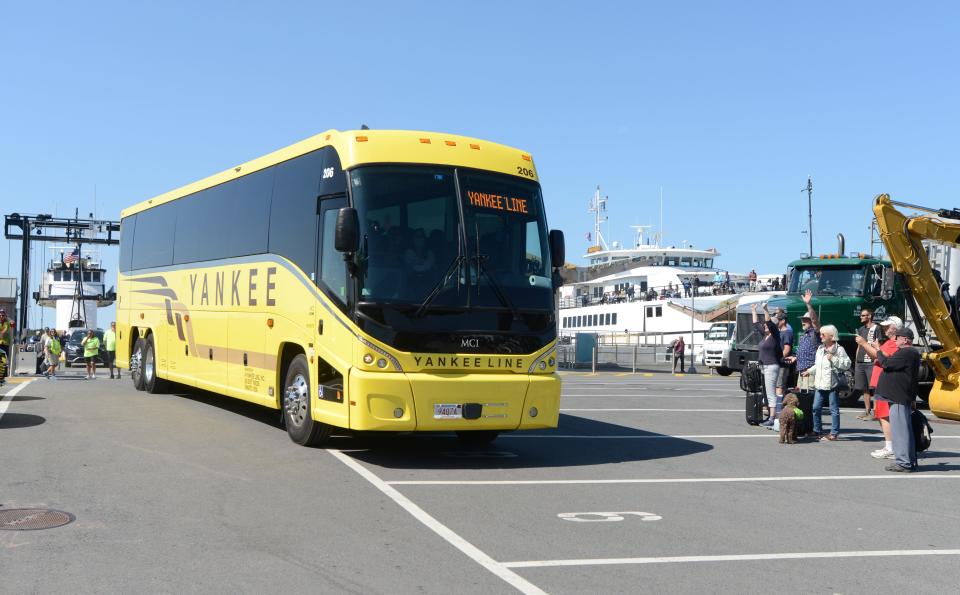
454	267
503	297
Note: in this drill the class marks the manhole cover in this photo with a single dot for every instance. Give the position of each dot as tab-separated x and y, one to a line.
31	519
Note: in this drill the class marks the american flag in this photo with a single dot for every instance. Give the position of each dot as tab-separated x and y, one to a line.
72	257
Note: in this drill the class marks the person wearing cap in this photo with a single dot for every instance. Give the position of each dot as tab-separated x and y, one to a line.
881	407
831	361
898	384
863	365
804	360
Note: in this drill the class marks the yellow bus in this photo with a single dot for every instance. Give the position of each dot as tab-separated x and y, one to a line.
373	280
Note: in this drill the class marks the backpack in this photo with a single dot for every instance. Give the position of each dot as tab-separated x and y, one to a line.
921	431
751	378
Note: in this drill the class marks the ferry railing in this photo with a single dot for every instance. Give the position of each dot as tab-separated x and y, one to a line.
628	350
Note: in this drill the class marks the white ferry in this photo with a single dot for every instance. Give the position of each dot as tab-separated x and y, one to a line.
647	292
74	284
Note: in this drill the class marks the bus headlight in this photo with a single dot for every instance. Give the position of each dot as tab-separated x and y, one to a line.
533	412
398	413
551	362
381	363
543	365
368	359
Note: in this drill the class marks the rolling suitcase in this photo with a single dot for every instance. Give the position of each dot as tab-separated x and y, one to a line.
755	403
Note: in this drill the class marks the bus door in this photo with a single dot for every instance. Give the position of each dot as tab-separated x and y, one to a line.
334	343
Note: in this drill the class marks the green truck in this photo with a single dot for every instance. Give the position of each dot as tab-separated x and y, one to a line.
841	286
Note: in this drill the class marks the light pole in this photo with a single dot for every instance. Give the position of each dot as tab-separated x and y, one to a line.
693	313
809	191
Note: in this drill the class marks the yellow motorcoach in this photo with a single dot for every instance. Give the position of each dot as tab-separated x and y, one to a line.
372	280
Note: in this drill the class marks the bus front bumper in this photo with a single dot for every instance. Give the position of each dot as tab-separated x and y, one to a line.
432	402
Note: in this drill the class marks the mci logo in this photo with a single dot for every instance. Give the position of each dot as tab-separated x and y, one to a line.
467	342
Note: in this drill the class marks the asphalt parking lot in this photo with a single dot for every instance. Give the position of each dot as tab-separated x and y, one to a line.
652	482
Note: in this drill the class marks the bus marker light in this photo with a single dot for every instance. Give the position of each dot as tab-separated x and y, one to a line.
186	317
381	363
525	157
367	359
141	316
450	143
425	141
534	412
473	146
354	403
361	139
270	323
551	361
398	413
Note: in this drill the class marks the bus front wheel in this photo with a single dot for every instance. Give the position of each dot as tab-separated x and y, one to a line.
301	427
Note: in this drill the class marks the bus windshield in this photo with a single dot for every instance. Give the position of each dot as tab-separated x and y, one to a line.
436	238
845	281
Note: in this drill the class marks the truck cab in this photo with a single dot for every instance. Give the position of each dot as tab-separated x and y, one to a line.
716	347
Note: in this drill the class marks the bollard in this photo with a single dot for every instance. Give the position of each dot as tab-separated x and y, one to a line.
634	359
594	362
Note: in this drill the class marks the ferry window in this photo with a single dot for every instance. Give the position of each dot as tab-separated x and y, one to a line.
708	263
685	261
650	311
86	276
671	262
56	275
596	322
614	318
333	272
127	226
96	277
293	212
608	318
659	310
153	245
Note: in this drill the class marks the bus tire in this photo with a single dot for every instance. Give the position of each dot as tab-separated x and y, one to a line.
152	383
724	371
477	437
301	427
136	358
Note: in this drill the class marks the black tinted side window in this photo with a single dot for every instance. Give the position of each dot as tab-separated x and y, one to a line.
247	212
128	225
153	245
293	215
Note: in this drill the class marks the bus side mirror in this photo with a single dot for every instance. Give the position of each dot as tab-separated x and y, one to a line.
347	237
557	250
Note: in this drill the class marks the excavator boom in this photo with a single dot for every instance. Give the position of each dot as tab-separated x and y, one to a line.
902	237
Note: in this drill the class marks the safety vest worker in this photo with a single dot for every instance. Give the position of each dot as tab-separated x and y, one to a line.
6	330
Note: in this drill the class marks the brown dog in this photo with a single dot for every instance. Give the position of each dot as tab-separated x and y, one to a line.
788	419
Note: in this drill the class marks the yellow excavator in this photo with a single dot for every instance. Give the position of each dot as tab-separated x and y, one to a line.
924	288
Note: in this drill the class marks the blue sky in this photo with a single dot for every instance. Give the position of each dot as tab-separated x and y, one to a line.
727	106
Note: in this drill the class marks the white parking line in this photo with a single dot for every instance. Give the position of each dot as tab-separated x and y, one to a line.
651	396
846	437
474	553
691	410
5	401
731	558
512	482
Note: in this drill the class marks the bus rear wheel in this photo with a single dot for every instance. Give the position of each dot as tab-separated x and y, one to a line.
724	371
301	426
151	382
136	364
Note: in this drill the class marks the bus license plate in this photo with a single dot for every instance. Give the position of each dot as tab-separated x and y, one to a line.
445	411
